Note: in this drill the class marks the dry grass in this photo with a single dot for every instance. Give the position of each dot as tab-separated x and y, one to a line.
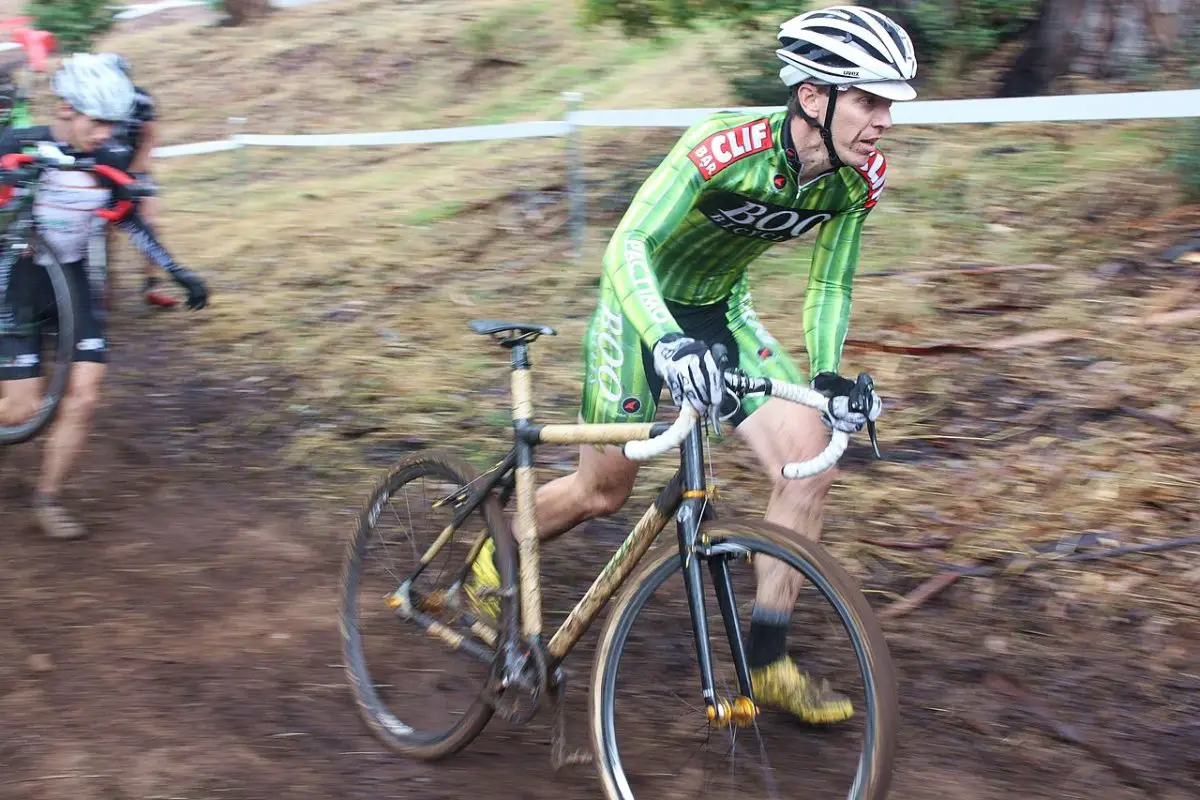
358	269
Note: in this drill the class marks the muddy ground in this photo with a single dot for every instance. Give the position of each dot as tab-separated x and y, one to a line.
189	648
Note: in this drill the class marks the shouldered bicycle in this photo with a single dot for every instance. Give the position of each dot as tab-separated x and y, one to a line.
39	300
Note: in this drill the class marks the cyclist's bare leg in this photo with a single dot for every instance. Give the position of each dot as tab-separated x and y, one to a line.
19	400
780	432
600	486
70	428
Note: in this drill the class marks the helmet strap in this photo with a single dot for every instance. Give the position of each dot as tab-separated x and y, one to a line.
835	163
827	133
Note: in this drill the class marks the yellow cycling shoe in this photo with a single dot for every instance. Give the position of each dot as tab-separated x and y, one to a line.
784	686
482	585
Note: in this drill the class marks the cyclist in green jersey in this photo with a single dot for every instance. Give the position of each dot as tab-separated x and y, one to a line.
675	283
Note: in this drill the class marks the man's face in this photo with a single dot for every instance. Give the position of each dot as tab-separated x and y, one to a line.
87	134
860	119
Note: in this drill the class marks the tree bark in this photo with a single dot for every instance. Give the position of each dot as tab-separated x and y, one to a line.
239	12
1103	38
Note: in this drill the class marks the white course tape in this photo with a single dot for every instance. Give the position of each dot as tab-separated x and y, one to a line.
215	146
1057	108
1060	108
135	10
475	133
145	9
655	117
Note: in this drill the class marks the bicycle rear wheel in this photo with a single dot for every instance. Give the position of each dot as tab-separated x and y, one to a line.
651	735
420	696
47	318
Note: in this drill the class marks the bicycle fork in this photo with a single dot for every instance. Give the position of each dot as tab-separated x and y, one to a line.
721	711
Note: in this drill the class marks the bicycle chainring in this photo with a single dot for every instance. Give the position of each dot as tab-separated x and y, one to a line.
517	684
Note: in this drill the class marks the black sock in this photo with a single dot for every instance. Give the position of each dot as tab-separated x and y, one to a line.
767	642
151	282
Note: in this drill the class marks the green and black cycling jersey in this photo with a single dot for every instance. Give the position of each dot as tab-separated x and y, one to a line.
726	193
67	201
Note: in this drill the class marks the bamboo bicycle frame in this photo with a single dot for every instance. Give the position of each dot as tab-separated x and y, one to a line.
683	497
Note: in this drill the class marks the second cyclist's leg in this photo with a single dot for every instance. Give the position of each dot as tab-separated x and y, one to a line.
779	432
20	399
70	429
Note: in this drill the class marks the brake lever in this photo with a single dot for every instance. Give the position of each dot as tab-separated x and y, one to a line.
720	354
860	401
874	438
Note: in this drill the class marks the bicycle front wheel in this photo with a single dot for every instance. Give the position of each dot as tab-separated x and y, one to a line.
650	731
37	328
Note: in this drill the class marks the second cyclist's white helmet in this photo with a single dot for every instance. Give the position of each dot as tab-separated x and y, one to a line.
848	46
93	85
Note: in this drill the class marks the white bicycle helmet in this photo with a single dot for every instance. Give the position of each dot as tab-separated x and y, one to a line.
848	46
120	62
844	46
93	85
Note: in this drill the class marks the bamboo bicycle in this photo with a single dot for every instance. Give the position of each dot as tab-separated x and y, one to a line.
509	665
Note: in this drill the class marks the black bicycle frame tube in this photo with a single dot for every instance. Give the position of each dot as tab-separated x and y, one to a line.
688	528
475	496
718	565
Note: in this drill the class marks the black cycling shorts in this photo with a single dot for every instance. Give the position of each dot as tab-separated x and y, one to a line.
32	297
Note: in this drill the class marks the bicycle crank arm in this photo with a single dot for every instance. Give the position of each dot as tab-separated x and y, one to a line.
559	755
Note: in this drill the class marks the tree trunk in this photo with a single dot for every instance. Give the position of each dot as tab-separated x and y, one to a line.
1102	38
239	12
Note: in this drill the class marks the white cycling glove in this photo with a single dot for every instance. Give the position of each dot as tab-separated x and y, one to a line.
690	372
848	411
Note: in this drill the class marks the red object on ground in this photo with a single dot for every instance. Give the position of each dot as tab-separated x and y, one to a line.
159	299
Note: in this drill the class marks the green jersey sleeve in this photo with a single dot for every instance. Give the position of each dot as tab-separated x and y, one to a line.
834	261
658	208
827	298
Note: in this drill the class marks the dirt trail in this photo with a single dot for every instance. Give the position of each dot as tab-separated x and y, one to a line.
189	648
